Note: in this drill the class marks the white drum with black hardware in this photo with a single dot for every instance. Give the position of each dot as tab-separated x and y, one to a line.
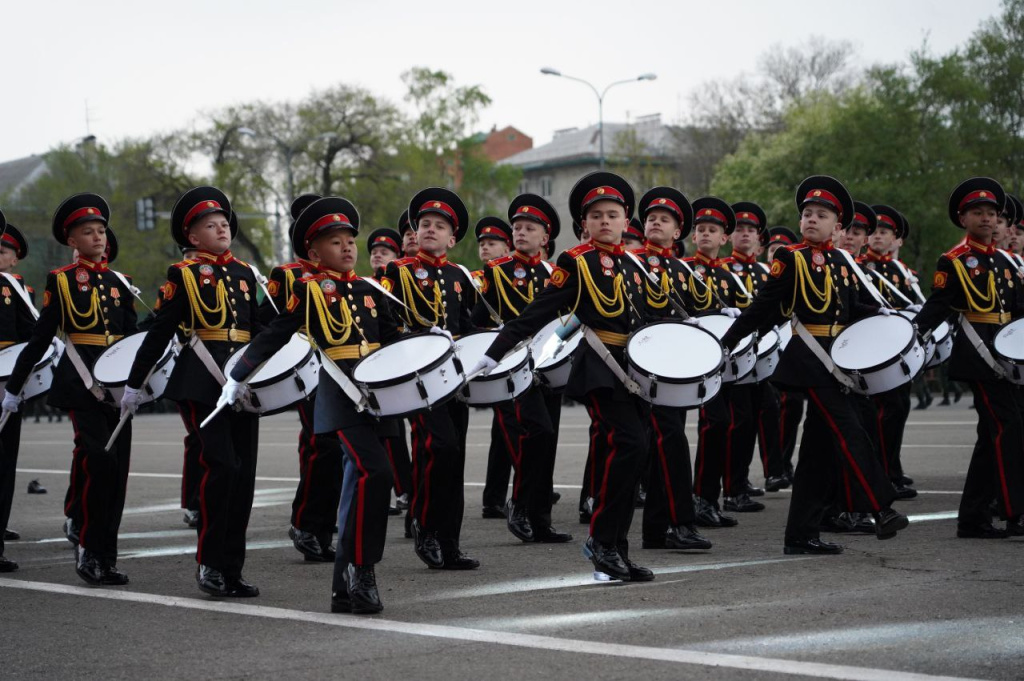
785	331
943	339
554	370
111	368
289	376
743	358
879	353
676	364
411	375
769	350
509	379
1008	348
41	377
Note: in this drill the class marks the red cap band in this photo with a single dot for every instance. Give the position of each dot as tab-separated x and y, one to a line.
332	220
712	215
440	207
889	222
634	232
781	237
199	208
975	197
489	231
822	196
746	218
83	213
667	204
385	241
530	211
602	193
859	218
8	239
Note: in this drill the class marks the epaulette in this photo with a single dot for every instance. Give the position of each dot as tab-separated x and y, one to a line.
795	247
17	276
240	262
289	266
402	262
958	250
577	251
499	261
65	268
185	263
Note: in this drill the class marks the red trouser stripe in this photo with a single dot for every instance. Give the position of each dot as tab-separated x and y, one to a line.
728	450
75	461
394	469
84	502
663	460
1003	487
360	498
593	449
203	515
845	449
514	453
881	434
427	469
607	466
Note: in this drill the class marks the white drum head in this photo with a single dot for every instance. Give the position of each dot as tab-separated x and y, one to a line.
281	362
8	356
471	347
718	324
115	363
401	358
544	336
1009	341
674	351
871	342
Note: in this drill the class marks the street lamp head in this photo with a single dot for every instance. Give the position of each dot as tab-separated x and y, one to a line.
247	131
647	76
548	71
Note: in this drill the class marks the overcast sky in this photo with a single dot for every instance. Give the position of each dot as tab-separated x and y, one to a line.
150	66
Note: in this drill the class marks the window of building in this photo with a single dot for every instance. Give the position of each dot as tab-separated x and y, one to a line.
524	187
545	186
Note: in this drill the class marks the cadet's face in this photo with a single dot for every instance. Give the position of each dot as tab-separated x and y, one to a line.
381	256
708	237
772	248
1017	240
854	239
882	240
335	250
745	239
529	237
661	227
211	233
89	239
489	249
409	243
434	234
605	221
8	259
979	221
817	223
1001	234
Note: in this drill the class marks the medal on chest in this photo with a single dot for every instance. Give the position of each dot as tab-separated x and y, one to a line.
607	262
205	275
818	258
7	295
328	287
971	262
737	267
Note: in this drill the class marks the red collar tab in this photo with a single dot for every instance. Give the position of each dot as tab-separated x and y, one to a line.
745	218
601	194
980	196
745	259
987	249
201	207
526	259
340	276
386	241
654	249
614	249
443	208
826	197
669	205
533	212
222	259
705	260
334	220
493	231
308	266
888	221
100	266
823	246
876	257
81	213
711	215
431	260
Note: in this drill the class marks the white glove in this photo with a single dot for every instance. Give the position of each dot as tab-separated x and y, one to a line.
233	391
914	308
438	331
11	402
131	400
691	320
731	312
886	311
484	366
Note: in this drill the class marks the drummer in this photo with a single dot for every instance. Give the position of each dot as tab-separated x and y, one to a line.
814	284
214	297
17	317
348	320
605	289
92	308
633	237
668	520
410	247
384	245
437	295
525	425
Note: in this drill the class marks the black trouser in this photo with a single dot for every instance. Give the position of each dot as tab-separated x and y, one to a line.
622	424
769	430
227	457
191	473
834	430
365	497
527	433
996	469
10	441
670	490
315	507
723	430
499	467
791	410
892	410
439	462
103	477
398	458
595	450
745	401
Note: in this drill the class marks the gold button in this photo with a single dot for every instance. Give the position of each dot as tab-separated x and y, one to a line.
229	277
103	297
354	308
223	268
102	287
99	276
350	285
358	319
350	296
106	309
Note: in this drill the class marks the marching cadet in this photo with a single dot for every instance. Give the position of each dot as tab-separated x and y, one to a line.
603	287
892	279
812	282
214	297
668	519
714	289
17	317
408	233
493	239
347	318
92	312
510	284
320	459
384	245
633	237
437	293
970	281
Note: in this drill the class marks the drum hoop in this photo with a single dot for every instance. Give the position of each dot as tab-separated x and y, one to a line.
741	348
771	350
41	364
500	376
404	378
676	381
277	378
881	365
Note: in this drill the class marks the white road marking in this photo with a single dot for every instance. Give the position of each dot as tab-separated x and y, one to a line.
532	641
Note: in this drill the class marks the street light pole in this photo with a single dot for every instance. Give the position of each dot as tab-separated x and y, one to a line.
548	71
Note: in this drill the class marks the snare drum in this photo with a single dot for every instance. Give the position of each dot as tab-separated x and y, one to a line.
506	381
111	368
785	331
411	375
289	376
744	355
942	336
879	353
769	350
41	377
676	364
554	370
1009	350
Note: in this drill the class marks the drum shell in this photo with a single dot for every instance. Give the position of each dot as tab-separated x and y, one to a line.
555	375
157	381
767	360
416	391
40	379
889	374
669	392
943	347
741	361
1014	367
499	387
272	396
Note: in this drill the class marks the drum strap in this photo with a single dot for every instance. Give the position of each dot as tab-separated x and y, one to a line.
911	279
23	294
657	284
262	281
606	357
490	310
76	361
198	347
823	357
980	347
896	291
134	290
350	389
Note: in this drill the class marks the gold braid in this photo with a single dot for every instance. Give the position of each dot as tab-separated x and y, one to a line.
804	282
73	314
659	298
503	296
606	306
972	293
407	280
701	302
199	308
328	323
